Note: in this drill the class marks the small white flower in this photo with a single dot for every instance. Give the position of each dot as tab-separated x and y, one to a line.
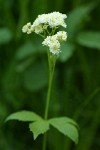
56	19
55	47
43	19
52	43
61	35
45	27
38	29
27	28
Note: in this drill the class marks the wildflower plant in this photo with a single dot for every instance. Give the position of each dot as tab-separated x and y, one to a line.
47	25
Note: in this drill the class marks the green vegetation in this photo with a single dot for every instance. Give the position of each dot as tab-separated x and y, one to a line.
24	74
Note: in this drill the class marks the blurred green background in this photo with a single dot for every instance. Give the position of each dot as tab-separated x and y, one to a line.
24	73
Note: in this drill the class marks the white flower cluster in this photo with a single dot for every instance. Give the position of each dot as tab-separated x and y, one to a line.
27	28
53	42
53	20
46	25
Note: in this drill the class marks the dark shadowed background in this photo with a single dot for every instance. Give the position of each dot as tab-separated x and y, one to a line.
24	73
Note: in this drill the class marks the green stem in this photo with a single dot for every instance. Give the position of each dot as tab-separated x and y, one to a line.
48	94
51	72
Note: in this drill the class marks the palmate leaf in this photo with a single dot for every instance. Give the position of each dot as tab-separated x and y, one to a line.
26	50
66	126
5	35
89	39
35	77
24	116
39	127
76	17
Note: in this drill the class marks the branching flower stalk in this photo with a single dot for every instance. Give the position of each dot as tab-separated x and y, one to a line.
47	25
42	26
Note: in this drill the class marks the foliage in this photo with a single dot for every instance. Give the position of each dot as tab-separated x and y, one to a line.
39	126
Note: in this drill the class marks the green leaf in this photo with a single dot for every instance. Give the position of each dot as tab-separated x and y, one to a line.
25	51
23	65
24	116
65	120
29	49
67	51
66	126
35	77
5	35
76	17
39	127
89	39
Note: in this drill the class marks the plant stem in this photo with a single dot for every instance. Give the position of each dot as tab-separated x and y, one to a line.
48	95
51	72
44	142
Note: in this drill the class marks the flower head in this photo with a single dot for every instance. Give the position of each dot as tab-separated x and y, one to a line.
54	19
51	20
27	28
53	42
46	25
61	35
